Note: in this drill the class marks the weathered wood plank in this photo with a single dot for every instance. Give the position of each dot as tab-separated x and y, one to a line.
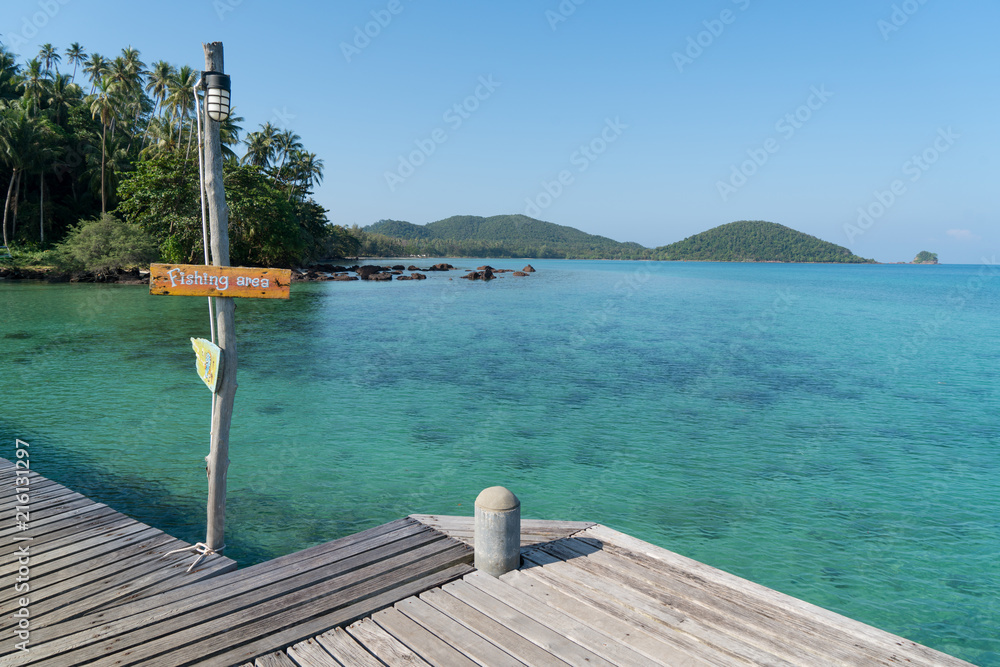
659	622
205	606
276	659
427	645
208	568
553	642
279	572
362	600
129	583
67	525
721	605
311	653
383	645
655	650
650	604
496	632
475	646
80	574
39	528
840	627
224	626
716	612
589	637
348	652
80	546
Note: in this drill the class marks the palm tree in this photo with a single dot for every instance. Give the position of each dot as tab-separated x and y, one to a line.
9	71
158	85
306	170
62	95
18	139
34	83
113	162
50	56
286	143
74	56
229	134
261	146
95	68
181	97
104	104
40	160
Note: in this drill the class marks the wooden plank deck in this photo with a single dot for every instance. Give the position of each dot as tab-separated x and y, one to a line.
594	596
83	557
404	593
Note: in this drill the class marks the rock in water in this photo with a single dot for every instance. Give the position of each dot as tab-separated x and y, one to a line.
528	269
367	272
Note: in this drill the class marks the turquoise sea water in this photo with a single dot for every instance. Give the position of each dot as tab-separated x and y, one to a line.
832	432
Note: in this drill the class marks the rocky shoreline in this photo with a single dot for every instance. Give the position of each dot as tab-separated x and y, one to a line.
316	273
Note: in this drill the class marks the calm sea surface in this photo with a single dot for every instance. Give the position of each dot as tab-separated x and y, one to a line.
832	432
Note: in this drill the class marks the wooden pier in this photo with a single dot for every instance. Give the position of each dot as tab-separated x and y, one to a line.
404	593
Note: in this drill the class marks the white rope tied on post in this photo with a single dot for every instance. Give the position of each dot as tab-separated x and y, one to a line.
200	548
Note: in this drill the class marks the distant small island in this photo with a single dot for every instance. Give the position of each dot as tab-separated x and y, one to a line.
924	257
520	236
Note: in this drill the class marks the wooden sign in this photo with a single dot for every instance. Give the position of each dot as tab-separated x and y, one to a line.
233	281
209	357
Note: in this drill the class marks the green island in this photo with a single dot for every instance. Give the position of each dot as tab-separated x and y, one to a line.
521	236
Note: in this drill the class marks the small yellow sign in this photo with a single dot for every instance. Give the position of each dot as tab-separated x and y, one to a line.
209	358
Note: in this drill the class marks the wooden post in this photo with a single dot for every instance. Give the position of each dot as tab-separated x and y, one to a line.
218	217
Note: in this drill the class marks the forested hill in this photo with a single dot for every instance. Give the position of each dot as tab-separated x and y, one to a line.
496	236
756	241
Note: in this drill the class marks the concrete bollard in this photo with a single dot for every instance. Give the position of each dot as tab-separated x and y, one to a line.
498	531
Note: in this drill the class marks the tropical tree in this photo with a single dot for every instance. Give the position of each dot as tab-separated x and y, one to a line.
229	134
50	56
286	143
62	94
9	71
180	99
261	146
75	55
95	68
306	171
103	104
33	83
18	141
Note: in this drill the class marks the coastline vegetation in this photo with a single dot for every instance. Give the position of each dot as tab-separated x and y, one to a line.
113	135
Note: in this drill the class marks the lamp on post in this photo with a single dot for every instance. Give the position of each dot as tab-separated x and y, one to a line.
217	95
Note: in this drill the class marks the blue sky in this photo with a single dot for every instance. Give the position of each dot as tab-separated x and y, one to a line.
870	124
